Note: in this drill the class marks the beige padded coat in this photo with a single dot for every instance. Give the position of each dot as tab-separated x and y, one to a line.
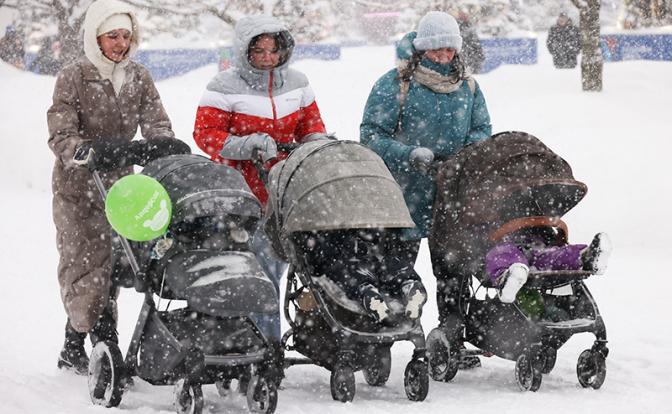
86	107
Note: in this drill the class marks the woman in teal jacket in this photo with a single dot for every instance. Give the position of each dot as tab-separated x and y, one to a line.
427	108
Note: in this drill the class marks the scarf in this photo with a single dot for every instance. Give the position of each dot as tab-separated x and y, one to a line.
432	79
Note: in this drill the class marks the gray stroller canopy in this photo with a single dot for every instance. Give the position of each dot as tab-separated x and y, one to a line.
199	187
332	185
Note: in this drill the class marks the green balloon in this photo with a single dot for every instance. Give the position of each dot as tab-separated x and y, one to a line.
138	207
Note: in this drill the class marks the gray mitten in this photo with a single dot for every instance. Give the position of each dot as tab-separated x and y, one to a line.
421	159
250	147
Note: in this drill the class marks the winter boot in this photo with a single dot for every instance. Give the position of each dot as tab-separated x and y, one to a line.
415	296
374	303
73	356
514	278
594	258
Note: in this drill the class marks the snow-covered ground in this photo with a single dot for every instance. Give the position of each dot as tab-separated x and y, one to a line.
617	141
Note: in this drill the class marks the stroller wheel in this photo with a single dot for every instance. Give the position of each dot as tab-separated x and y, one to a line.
442	365
262	395
528	373
106	367
591	369
188	397
416	380
549	356
342	383
378	372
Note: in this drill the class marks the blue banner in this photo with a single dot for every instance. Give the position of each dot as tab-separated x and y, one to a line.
501	51
167	63
618	47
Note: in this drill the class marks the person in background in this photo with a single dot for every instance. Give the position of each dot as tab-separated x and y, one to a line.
47	61
99	102
249	108
424	111
563	42
11	47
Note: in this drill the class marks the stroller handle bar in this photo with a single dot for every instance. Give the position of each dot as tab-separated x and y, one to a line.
124	242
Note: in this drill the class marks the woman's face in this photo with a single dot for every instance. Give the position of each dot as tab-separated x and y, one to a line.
441	56
264	53
115	44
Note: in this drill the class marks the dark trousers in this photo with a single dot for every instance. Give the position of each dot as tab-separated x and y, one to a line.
404	250
354	259
452	291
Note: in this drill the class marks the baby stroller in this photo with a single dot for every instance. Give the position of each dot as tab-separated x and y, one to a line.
328	186
203	260
510	176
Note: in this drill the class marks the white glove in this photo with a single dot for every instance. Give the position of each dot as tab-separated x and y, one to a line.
249	147
421	159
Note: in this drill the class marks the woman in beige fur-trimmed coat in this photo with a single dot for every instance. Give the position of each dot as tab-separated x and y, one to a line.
102	97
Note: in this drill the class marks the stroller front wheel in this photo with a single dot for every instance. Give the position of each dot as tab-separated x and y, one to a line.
416	380
591	369
262	395
528	374
442	365
188	397
342	383
377	373
106	367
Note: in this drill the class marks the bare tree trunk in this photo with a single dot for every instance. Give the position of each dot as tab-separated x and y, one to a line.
591	55
68	31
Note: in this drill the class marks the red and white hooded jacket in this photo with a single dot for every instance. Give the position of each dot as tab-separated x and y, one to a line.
244	100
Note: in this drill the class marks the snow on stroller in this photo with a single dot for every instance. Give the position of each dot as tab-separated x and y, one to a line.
328	186
510	176
203	260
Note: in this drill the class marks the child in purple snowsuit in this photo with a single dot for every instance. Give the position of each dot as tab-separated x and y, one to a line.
539	243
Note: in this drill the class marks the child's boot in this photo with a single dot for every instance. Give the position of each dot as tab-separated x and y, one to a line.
73	356
514	278
374	303
416	296
594	258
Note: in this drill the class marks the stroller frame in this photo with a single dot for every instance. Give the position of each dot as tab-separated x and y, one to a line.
505	330
347	340
109	373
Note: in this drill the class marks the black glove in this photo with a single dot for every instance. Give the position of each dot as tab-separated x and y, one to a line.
149	150
104	154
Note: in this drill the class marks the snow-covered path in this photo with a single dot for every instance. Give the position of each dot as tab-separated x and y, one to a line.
617	141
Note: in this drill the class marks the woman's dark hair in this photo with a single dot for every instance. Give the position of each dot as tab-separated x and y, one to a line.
406	73
456	74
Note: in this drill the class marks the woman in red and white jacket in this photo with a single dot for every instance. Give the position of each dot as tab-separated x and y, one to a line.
258	102
247	109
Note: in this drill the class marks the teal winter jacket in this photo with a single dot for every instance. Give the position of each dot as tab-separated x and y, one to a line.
442	122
